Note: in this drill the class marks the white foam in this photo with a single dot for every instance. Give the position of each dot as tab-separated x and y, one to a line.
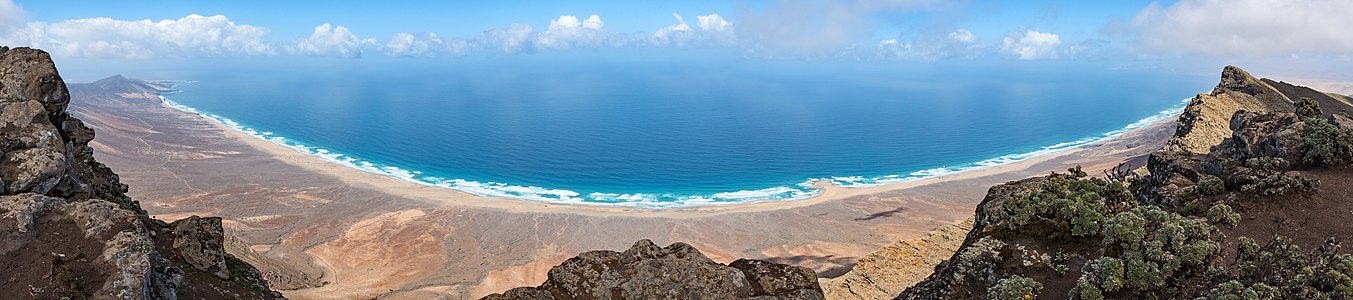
858	181
799	191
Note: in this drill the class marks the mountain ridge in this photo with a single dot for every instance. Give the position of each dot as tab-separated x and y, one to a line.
1236	221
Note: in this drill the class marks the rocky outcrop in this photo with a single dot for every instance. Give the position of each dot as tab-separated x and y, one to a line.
1205	121
677	271
1258	135
888	271
67	228
1260	215
199	241
973	266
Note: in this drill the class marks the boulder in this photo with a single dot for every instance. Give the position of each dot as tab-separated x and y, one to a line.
199	241
678	271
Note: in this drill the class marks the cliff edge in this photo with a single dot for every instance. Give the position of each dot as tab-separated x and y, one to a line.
67	228
888	271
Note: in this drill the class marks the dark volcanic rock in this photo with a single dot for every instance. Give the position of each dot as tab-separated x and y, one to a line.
677	271
200	242
67	228
1271	134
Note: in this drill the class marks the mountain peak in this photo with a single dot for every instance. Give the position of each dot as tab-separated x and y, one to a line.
123	85
1236	79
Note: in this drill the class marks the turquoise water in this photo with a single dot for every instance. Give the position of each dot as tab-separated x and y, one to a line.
661	133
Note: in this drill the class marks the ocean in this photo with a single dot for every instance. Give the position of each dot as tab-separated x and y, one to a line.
652	132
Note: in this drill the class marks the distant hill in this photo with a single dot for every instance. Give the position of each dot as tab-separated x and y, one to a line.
1328	103
118	84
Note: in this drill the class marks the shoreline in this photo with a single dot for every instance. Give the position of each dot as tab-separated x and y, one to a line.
370	235
819	190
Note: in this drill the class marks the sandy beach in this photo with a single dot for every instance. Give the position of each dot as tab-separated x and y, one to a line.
362	235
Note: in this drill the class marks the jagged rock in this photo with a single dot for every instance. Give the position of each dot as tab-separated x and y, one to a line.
199	241
1272	134
677	271
1257	135
888	271
67	228
1341	120
1205	121
1171	176
781	281
30	75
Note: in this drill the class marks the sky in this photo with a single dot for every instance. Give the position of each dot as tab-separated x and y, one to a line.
1265	33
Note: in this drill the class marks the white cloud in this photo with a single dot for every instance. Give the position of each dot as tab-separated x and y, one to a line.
815	28
424	45
674	33
593	22
10	15
568	32
962	36
513	39
1247	27
192	35
892	48
1032	45
713	30
932	46
329	40
713	22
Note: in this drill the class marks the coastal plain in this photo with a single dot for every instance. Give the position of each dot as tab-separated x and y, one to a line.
320	230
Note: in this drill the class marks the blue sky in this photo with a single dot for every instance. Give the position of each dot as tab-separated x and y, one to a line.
1207	32
466	18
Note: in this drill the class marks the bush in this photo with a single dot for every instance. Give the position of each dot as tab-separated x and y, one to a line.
1067	204
1014	287
1223	214
1284	271
1281	184
1307	108
1211	185
1267	163
1325	144
1147	250
1234	290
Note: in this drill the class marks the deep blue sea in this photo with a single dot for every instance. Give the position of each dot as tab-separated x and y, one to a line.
663	133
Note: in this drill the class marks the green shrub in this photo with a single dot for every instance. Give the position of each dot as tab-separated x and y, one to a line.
1014	287
1267	163
1284	183
1067	205
1234	290
1282	270
1147	250
1323	143
1211	185
1307	108
1223	214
